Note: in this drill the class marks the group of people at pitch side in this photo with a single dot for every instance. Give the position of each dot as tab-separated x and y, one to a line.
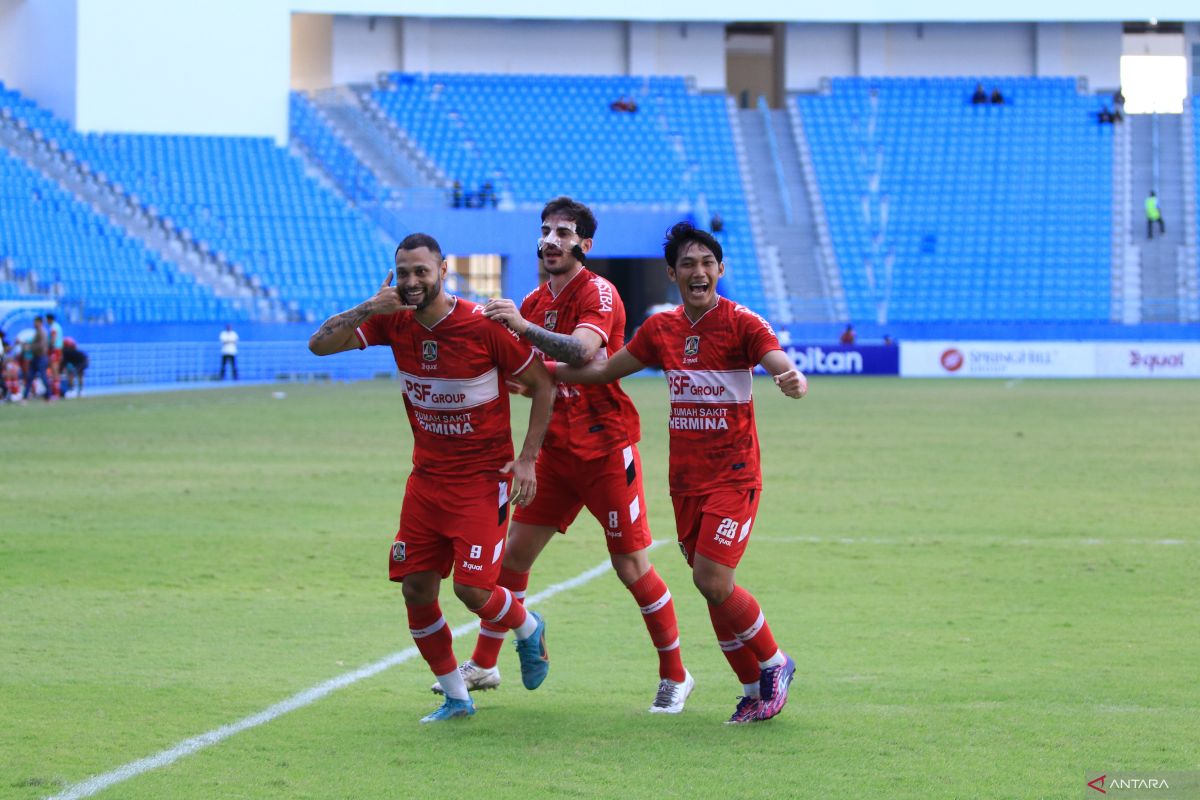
41	355
564	348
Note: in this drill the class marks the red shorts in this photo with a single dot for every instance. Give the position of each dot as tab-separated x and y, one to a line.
610	487
716	525
445	524
55	358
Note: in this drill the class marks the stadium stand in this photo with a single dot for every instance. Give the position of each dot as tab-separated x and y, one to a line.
313	134
941	210
92	268
536	136
243	198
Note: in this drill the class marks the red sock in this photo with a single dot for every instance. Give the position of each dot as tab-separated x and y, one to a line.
741	613
491	637
740	657
502	610
432	635
658	612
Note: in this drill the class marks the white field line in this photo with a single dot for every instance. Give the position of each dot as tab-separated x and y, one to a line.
307	697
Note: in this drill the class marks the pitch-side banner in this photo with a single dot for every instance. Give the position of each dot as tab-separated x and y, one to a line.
1050	359
997	360
869	359
1148	360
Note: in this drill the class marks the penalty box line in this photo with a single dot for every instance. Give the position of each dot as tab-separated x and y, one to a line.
165	758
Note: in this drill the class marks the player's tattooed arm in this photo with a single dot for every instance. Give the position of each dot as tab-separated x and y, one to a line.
558	346
600	370
336	334
790	380
576	348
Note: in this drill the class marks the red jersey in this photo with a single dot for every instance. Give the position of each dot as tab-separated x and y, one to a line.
453	375
588	421
709	369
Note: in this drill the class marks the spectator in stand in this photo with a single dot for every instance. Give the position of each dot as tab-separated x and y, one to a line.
624	104
1106	116
487	195
847	336
229	345
997	98
888	341
75	363
1118	100
458	200
1153	215
980	97
716	224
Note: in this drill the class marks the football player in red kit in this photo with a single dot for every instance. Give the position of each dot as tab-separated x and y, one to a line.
590	459
453	364
708	348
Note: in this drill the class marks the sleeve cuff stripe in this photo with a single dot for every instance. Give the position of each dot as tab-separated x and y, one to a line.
597	329
521	369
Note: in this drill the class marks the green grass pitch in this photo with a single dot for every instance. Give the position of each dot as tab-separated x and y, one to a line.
990	589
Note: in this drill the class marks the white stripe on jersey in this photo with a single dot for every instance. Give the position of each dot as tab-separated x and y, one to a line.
721	387
451	394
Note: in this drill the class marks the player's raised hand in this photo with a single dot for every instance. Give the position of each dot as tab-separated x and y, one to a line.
524	485
388	300
504	310
792	383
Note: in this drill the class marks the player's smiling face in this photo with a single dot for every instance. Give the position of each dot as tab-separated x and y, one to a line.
555	244
419	275
696	272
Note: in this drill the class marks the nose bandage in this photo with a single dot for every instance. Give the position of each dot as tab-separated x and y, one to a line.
553	239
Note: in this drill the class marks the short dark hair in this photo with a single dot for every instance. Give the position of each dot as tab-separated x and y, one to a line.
38	318
415	241
51	317
581	215
682	233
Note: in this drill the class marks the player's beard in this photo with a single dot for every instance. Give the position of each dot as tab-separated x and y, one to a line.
565	263
428	295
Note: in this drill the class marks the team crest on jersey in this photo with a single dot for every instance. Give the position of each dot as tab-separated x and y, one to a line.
398	549
429	350
691	346
551	320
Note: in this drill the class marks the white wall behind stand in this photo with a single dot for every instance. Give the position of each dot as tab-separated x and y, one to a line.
37	51
916	49
819	50
514	46
365	46
1051	49
1088	49
564	47
694	49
